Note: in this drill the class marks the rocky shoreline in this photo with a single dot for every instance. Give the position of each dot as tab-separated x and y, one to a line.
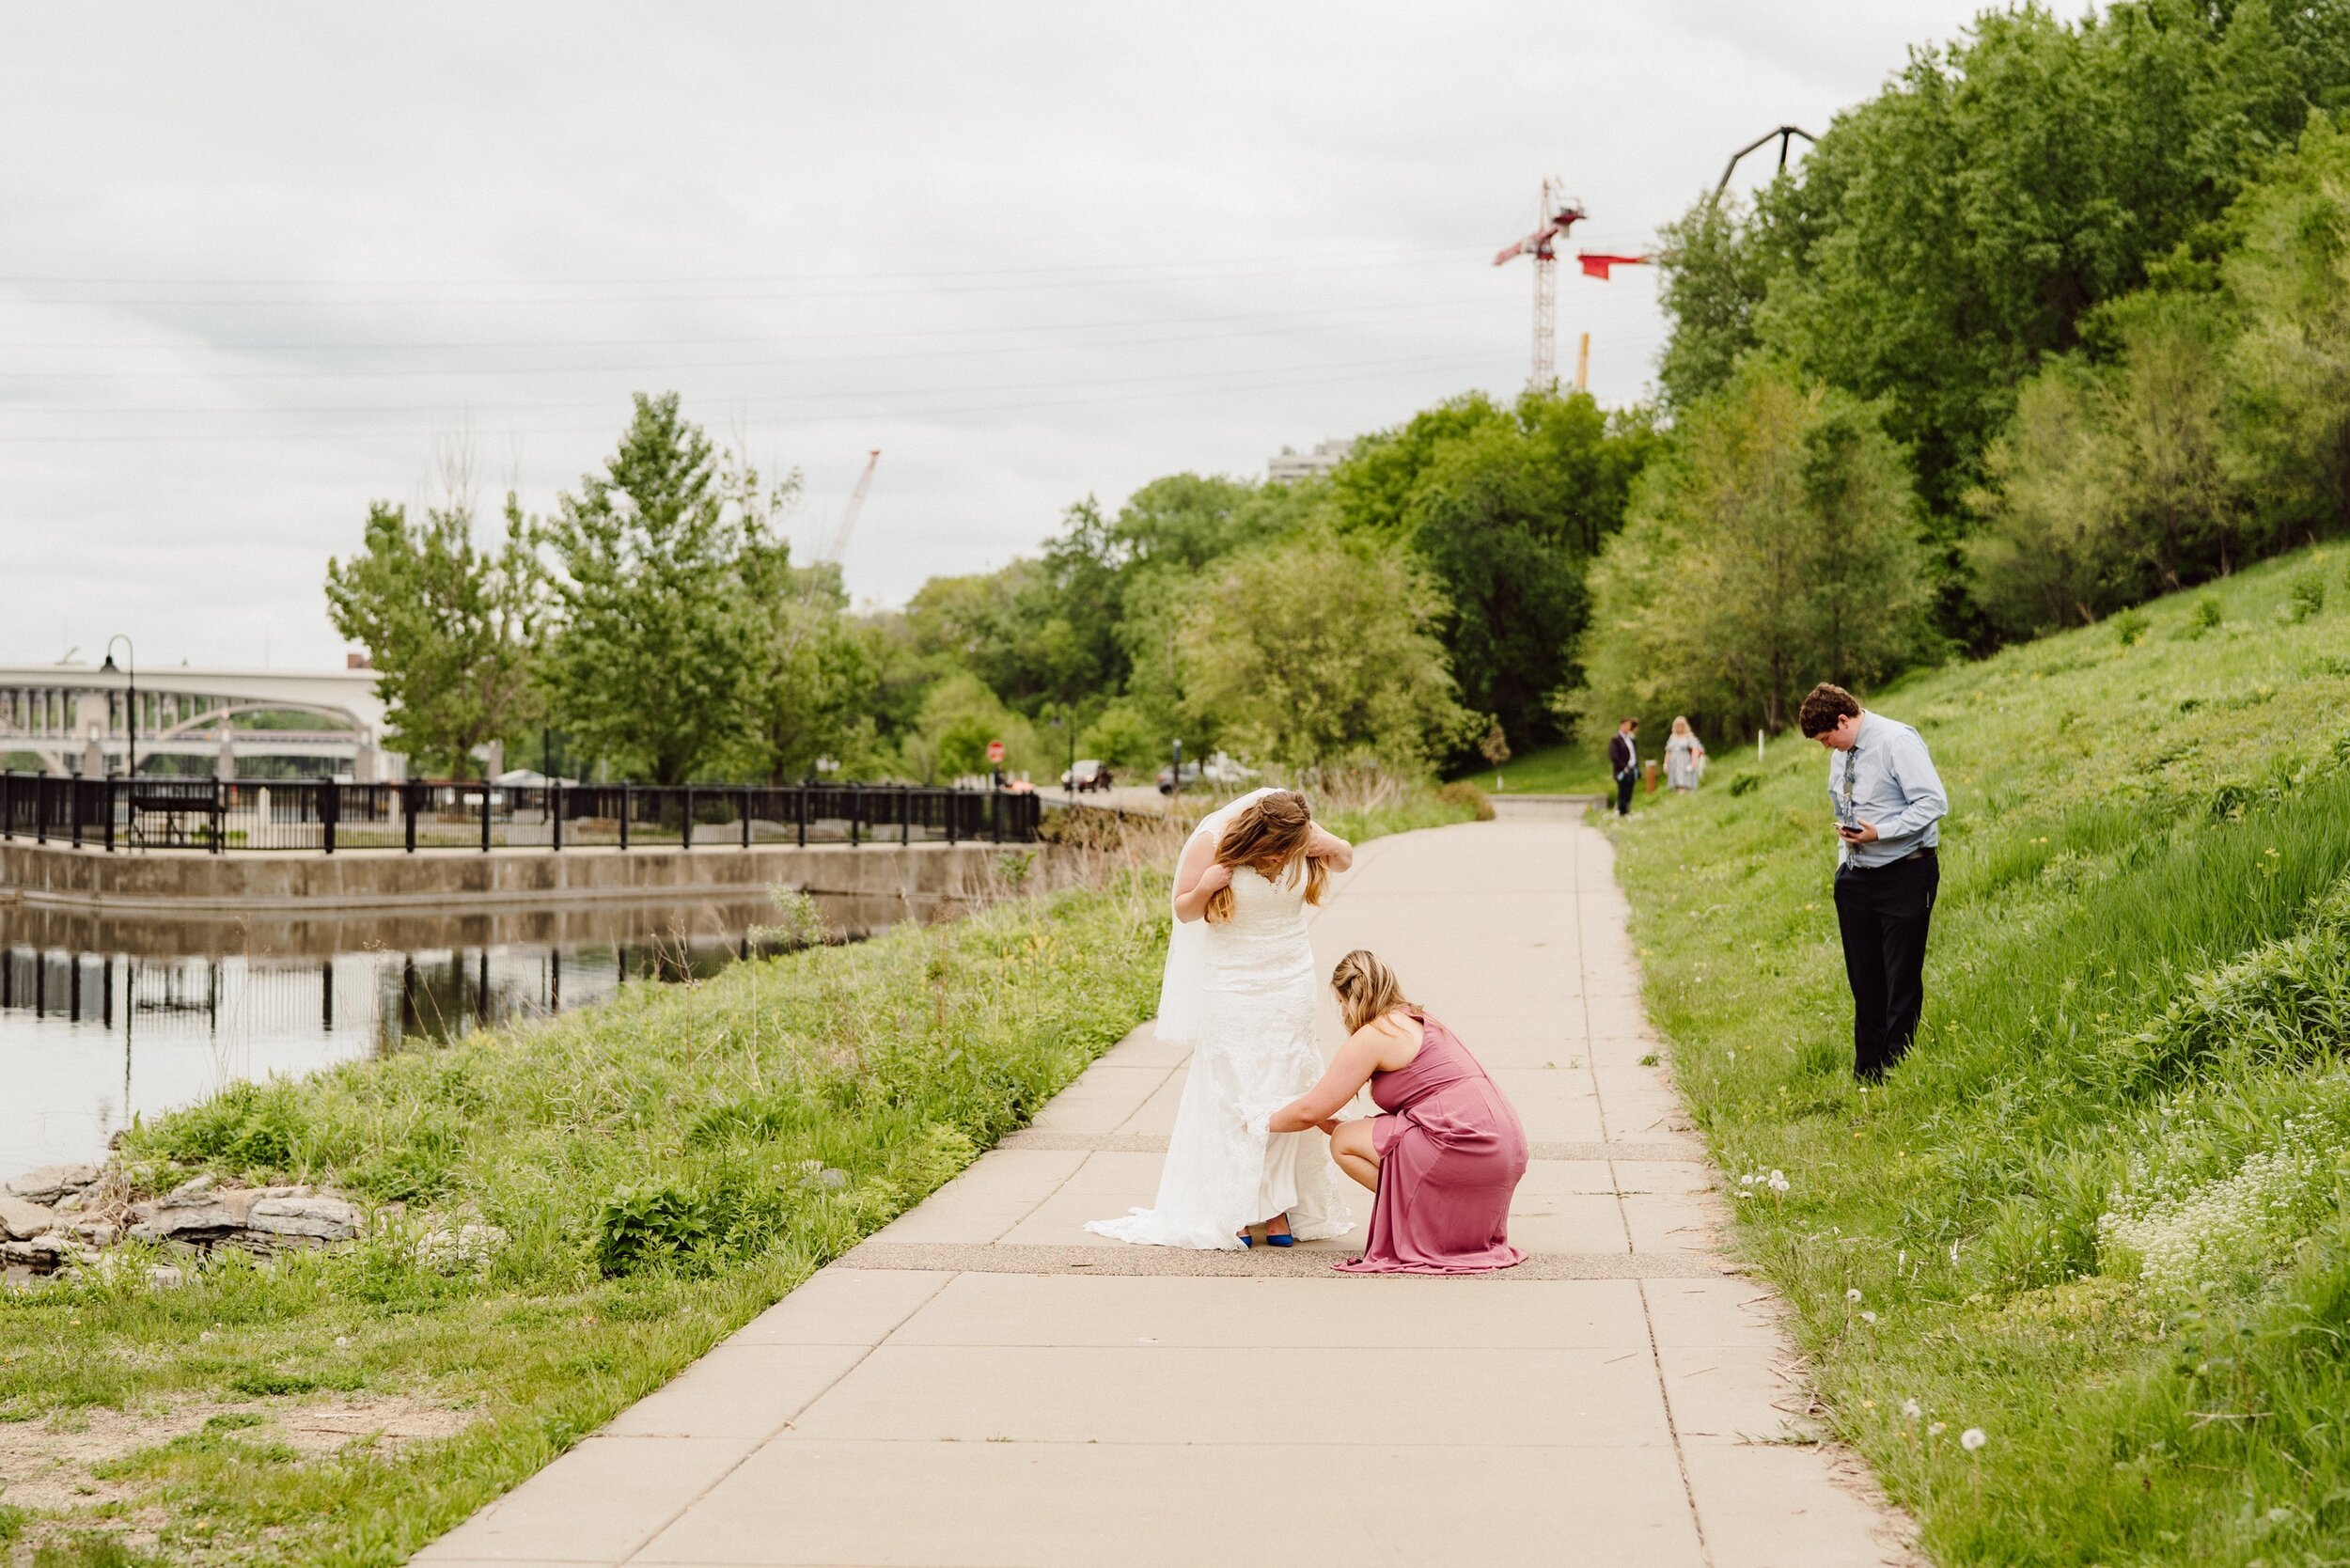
63	1215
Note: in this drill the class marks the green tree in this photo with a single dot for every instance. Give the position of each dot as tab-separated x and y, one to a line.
648	666
2049	552
812	674
450	627
1506	508
959	716
1949	234
2110	483
1319	652
1776	546
2287	278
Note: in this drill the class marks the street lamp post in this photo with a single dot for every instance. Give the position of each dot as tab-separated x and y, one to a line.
131	695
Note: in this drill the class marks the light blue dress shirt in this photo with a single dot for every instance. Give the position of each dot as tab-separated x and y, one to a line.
1889	781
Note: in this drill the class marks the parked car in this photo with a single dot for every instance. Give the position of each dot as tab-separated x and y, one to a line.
1087	773
1168	781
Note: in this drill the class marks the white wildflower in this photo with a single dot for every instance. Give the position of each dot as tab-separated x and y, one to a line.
1867	1317
2179	1240
1853	1294
1746	1181
1911	1408
1972	1439
1936	1429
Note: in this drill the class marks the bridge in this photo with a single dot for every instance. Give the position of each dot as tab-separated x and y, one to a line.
73	720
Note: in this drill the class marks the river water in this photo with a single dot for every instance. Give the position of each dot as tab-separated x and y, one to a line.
106	1017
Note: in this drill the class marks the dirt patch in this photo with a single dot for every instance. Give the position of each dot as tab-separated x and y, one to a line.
48	1465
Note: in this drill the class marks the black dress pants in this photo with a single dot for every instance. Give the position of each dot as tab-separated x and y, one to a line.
1883	913
1624	792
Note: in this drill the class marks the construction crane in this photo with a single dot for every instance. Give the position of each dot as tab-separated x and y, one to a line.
1555	215
837	546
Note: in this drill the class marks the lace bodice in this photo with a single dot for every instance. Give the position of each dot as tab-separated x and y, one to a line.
1265	941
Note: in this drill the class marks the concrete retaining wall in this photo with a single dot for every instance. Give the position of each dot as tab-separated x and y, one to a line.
377	878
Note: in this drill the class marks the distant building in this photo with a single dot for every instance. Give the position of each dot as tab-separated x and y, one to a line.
1289	463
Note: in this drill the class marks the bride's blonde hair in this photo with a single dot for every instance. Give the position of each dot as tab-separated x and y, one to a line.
1368	989
1270	834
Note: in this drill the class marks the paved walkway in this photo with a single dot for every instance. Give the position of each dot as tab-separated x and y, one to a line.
983	1383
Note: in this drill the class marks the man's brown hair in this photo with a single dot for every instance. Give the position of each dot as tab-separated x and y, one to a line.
1825	707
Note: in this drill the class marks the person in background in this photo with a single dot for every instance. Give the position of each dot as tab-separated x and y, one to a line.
1623	759
1888	803
1685	758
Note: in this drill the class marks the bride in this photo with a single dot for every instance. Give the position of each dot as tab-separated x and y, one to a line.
1240	991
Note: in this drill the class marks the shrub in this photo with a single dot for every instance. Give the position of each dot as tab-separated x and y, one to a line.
647	1226
2205	616
2309	596
1468	796
2130	627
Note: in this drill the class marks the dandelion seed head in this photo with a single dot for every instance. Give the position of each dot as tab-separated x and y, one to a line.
1867	1317
1853	1294
1973	1438
1911	1408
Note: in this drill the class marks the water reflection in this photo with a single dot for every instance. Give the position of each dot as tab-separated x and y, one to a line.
107	1016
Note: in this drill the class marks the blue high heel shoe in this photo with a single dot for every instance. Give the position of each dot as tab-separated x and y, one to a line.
1284	1239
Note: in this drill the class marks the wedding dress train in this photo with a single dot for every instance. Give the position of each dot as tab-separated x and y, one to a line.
1241	993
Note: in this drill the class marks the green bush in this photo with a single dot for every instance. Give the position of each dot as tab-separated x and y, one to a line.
1468	797
2129	627
2309	596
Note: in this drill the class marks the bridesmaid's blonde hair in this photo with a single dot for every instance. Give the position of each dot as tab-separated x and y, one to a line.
1368	989
1270	834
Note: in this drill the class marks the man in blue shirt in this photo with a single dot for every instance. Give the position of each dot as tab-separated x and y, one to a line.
1888	802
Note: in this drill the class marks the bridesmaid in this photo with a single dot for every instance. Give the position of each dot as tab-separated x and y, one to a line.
1448	1154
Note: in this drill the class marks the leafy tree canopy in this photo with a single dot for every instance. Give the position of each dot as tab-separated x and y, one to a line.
450	627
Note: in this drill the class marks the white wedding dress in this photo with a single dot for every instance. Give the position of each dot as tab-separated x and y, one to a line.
1241	993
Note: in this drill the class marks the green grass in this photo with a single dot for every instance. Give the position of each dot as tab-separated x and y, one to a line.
2102	1212
1575	768
663	1166
1580	767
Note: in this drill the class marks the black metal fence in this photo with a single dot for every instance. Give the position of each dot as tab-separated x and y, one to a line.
286	814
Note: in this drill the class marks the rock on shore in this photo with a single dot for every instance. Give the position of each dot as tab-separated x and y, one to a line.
65	1212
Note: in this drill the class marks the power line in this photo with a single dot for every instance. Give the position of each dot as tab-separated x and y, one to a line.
1097	392
289	302
1287	258
1437	312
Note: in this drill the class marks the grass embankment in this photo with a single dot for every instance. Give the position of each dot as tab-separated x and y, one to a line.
2102	1212
1575	768
660	1167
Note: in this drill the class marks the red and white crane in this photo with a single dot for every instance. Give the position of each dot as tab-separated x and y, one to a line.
1557	213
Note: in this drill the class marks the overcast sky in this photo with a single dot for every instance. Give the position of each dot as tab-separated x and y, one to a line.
259	262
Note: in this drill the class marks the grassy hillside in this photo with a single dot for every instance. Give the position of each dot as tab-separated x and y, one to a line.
2102	1213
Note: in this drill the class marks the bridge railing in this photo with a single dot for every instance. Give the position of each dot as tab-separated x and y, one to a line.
224	816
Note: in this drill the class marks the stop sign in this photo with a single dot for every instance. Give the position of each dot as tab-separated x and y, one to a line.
994	751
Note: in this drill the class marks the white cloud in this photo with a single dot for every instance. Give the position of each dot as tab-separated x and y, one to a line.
260	257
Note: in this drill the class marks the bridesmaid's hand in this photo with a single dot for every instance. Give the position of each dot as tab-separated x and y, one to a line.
1329	1127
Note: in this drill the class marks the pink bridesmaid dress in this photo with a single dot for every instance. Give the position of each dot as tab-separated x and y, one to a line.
1451	1154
